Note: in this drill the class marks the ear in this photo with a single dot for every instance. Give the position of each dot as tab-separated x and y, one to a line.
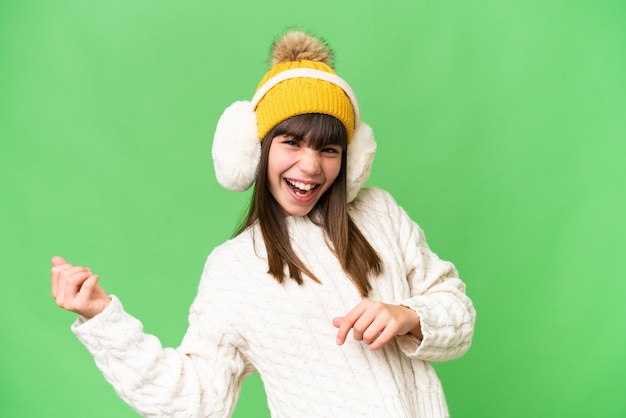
361	151
236	147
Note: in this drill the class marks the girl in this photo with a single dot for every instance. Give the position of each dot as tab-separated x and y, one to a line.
317	259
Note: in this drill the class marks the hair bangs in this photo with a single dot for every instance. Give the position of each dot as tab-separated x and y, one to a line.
316	130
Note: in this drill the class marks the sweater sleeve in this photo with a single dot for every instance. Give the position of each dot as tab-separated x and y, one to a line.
437	295
201	378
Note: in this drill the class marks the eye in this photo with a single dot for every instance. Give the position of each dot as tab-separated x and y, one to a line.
332	150
290	141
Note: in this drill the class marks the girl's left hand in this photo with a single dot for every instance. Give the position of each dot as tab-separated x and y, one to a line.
76	289
376	323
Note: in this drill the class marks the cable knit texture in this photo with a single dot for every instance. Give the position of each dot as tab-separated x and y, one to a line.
243	320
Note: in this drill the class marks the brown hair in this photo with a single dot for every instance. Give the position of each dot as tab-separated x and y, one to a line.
357	257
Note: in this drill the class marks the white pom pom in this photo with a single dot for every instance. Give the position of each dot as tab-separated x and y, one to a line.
361	151
236	147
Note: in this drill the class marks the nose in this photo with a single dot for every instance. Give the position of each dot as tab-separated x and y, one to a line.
310	162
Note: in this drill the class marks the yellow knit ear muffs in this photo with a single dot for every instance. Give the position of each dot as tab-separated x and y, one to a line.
304	83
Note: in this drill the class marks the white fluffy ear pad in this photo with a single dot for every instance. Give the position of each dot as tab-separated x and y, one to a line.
236	147
361	152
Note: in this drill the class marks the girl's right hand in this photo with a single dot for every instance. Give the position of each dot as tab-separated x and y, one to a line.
76	289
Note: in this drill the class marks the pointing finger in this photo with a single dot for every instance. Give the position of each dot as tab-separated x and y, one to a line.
347	322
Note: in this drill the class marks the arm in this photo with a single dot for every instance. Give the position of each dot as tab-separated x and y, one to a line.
438	297
201	378
436	322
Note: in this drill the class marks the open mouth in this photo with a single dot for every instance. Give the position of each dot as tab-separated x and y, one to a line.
301	189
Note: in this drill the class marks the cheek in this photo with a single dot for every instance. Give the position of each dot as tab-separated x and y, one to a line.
332	170
273	164
272	175
277	159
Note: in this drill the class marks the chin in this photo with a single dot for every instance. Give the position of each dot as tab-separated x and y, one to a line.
298	211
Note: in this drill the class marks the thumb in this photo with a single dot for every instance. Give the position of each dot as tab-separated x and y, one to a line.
89	285
56	260
93	298
337	321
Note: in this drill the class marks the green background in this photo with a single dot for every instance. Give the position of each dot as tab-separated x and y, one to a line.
501	128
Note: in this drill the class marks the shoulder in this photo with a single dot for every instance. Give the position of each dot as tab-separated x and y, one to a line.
231	265
238	252
376	210
373	200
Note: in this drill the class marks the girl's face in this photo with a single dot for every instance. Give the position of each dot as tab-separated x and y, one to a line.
298	175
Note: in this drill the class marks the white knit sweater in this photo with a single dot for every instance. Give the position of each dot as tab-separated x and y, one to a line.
244	320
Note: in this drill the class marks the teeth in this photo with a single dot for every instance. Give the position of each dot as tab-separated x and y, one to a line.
301	186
